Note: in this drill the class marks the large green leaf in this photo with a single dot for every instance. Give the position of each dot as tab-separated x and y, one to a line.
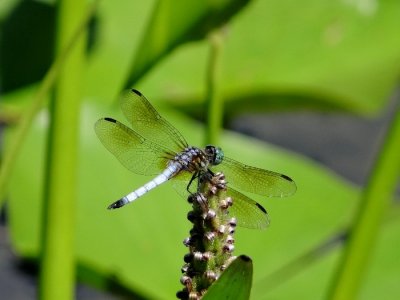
278	55
141	244
146	31
282	55
176	22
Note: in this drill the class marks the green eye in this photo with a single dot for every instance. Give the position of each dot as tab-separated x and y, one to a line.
219	156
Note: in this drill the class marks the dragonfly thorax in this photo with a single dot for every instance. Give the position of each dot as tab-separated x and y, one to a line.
192	159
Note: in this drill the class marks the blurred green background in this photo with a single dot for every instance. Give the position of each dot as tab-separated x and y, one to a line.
313	85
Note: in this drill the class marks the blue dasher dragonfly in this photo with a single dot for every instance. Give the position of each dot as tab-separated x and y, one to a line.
154	147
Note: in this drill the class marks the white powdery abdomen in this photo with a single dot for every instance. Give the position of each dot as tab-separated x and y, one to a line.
163	177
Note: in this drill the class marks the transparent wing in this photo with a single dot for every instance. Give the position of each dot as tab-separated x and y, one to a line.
148	122
257	181
136	153
180	183
248	212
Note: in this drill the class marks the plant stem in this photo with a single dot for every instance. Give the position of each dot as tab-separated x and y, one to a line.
47	83
213	93
57	274
374	203
211	239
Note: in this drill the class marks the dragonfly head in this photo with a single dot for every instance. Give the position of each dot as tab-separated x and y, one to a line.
215	155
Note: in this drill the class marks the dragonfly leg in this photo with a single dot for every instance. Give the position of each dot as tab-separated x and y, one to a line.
194	176
205	176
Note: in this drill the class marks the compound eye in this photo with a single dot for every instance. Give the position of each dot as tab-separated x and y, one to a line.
215	154
218	155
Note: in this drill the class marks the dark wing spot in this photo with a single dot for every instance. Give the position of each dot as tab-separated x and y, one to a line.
286	177
261	208
244	258
137	92
110	120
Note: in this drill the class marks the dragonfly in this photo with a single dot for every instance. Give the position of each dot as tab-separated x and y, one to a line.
152	146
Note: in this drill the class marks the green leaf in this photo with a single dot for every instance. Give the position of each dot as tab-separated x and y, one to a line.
235	281
177	22
288	65
141	244
280	55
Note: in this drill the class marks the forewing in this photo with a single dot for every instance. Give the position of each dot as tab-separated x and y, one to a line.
136	153
256	180
247	212
149	123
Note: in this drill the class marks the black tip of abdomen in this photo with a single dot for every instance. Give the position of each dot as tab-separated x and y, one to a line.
117	204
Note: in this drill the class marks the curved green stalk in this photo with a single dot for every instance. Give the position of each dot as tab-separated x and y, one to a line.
57	274
10	156
213	94
374	203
